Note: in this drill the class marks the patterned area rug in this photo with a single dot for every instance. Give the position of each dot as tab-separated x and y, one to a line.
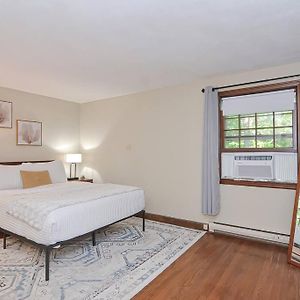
124	261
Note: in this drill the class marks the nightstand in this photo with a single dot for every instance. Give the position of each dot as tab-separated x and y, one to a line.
82	180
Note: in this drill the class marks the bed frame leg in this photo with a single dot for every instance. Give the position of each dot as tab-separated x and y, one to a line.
143	213
47	258
4	240
94	238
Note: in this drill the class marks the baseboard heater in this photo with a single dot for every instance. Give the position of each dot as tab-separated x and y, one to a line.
249	232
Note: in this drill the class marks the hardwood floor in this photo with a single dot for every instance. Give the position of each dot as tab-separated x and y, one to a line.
224	267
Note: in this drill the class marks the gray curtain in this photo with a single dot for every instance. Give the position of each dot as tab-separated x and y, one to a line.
210	169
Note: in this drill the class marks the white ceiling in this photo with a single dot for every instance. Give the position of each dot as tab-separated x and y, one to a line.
84	50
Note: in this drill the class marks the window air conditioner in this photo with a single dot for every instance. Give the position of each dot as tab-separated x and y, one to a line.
254	167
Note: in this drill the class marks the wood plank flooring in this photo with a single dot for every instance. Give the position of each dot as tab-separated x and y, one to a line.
224	267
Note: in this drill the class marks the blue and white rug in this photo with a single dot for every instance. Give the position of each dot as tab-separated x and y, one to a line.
124	261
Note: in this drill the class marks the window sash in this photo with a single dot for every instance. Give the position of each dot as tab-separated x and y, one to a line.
276	141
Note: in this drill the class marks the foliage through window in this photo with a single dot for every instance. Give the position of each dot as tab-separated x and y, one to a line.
273	130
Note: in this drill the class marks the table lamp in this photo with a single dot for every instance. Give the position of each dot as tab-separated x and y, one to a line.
73	159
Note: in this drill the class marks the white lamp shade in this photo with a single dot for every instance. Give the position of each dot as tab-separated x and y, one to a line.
73	158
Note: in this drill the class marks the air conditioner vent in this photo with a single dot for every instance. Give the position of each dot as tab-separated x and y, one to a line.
250	172
266	166
253	157
254	167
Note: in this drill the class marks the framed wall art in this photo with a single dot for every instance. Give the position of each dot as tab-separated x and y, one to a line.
5	114
29	133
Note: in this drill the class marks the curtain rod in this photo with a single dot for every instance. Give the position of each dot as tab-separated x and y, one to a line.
252	82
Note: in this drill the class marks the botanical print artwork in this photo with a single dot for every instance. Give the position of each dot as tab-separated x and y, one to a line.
29	133
5	114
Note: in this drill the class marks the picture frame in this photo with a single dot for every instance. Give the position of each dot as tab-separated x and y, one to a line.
29	133
5	114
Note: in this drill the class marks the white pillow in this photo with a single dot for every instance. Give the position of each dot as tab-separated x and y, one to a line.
10	177
55	168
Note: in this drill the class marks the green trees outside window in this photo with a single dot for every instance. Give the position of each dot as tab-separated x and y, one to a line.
259	130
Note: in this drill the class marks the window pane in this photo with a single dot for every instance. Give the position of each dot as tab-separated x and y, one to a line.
264	120
261	130
283	141
265	142
231	132
265	131
283	119
231	143
248	122
247	142
284	131
232	123
283	137
248	132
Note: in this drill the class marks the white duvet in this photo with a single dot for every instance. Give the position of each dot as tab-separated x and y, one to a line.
33	206
74	220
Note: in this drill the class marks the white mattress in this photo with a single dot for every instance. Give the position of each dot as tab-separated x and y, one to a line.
71	221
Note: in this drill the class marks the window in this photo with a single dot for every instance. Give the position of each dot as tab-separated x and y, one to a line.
258	135
274	130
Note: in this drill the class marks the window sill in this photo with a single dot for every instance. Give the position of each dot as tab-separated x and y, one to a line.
266	184
233	150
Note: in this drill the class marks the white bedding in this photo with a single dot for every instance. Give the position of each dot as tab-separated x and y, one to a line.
73	220
32	206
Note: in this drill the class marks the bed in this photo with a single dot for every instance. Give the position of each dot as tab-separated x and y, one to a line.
50	215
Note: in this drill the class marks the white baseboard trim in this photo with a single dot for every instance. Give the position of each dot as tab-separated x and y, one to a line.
249	232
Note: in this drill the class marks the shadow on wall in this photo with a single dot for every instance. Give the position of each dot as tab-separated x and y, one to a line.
115	144
33	153
86	170
90	147
91	142
64	148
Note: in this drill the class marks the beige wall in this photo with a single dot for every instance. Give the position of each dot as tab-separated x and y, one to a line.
154	140
60	126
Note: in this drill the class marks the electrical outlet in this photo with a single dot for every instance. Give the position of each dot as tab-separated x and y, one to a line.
205	227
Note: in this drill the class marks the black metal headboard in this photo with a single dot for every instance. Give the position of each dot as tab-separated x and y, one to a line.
14	163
